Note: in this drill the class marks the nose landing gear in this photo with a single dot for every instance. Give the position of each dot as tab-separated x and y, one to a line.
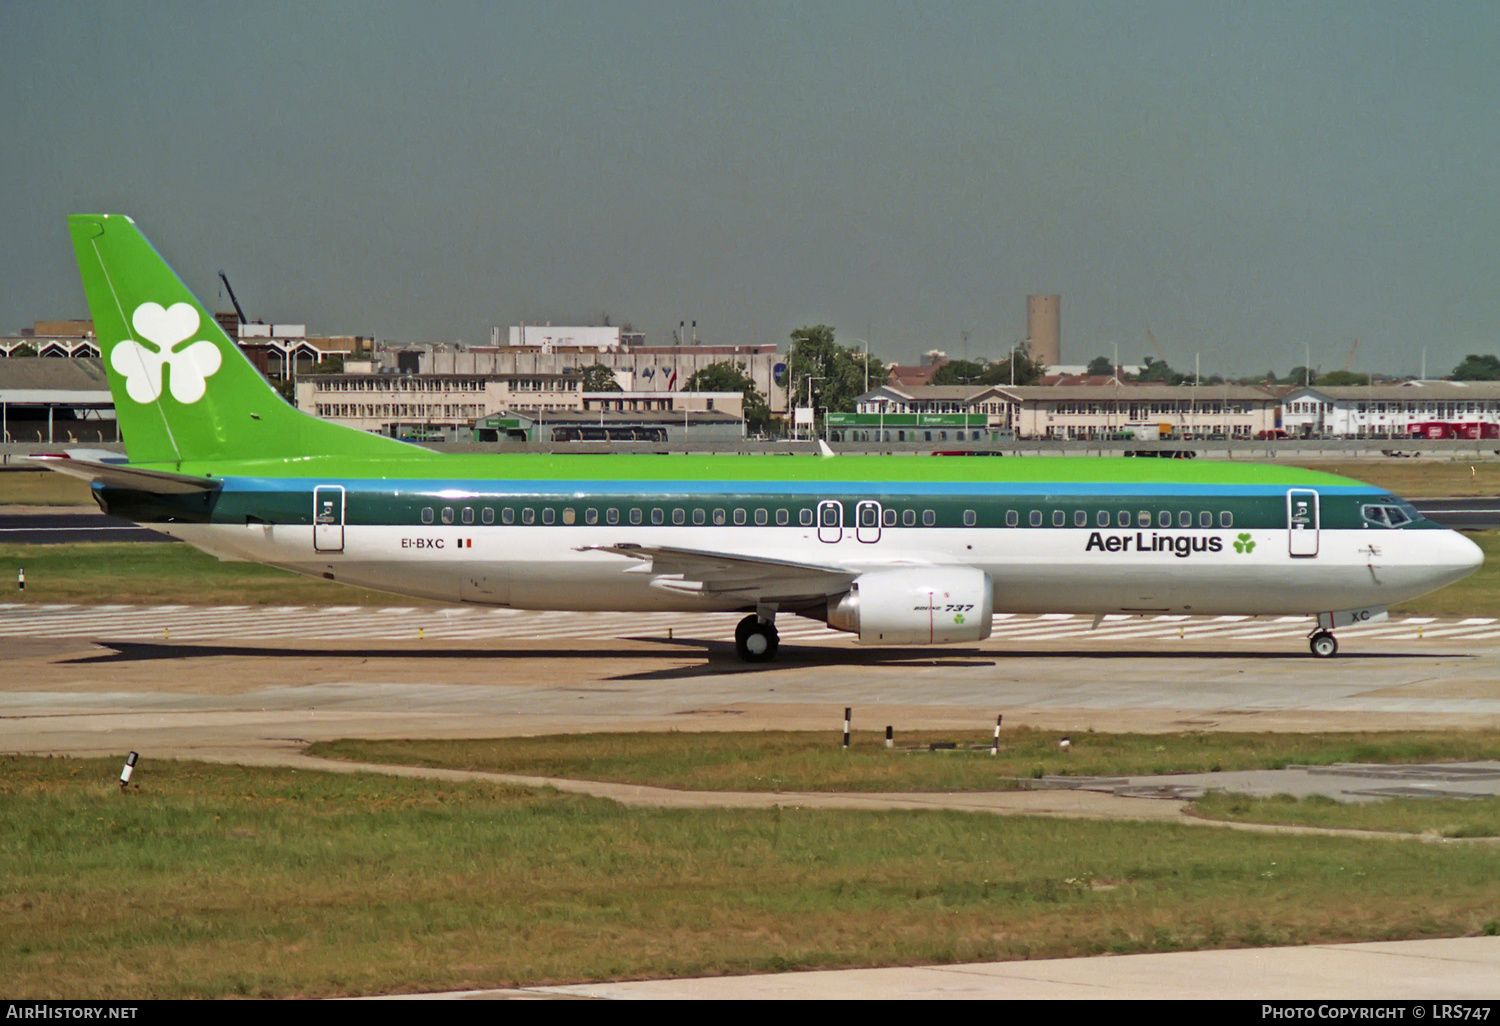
1323	643
755	640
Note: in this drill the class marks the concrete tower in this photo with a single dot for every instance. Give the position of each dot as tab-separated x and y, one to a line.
1044	329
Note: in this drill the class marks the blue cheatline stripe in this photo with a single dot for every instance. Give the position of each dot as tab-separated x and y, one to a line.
458	489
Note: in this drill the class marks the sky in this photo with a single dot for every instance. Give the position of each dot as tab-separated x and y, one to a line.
1246	182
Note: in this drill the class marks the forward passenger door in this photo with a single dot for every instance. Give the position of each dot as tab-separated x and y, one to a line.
1302	522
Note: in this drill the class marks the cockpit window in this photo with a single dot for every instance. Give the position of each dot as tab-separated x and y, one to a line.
1388	516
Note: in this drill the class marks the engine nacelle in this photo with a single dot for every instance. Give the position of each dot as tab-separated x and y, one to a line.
916	606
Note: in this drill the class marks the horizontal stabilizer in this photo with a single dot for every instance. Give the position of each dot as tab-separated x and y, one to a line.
117	475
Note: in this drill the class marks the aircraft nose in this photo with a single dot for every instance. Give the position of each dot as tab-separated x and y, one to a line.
1459	557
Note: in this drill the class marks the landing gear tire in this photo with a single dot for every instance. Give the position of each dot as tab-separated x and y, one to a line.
755	640
1323	644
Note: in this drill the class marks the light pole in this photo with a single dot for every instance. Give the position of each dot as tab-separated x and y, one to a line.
866	343
1115	402
812	403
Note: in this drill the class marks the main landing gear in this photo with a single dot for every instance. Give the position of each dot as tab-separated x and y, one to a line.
755	639
1323	643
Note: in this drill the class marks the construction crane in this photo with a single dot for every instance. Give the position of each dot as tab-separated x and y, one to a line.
1155	345
1349	361
237	308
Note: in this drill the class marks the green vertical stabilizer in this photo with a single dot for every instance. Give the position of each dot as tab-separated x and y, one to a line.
183	391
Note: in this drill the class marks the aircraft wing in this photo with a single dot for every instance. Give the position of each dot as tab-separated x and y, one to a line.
753	578
118	475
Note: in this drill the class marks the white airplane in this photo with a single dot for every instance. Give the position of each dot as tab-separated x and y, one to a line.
899	551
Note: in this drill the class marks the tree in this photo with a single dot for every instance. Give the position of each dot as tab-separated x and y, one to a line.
729	377
1100	366
1343	377
1159	372
959	372
839	372
599	378
1025	372
1478	368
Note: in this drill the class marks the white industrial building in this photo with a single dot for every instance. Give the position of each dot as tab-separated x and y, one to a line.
1436	409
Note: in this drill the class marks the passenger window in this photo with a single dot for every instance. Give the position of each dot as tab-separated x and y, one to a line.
1124	518
1226	519
805	517
831	515
699	517
467	515
678	517
1144	518
528	515
909	518
1059	518
739	516
1205	519
507	515
611	516
549	515
970	519
488	516
761	518
783	518
568	516
889	516
1036	518
929	518
1184	519
1103	518
635	515
657	517
447	514
719	517
1012	518
591	516
427	514
1080	518
1164	518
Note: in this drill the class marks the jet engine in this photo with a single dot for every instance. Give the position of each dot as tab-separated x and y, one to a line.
916	606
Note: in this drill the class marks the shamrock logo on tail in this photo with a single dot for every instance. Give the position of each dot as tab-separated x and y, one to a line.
166	328
1244	544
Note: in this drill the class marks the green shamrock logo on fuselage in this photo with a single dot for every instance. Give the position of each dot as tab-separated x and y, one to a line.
1244	544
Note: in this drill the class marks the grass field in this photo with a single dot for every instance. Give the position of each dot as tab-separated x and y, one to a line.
147	573
152	573
784	761
42	488
803	761
211	881
1463	817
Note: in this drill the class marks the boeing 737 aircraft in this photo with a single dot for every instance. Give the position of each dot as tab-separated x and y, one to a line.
898	550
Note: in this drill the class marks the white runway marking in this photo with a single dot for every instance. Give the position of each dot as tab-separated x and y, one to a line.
462	623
